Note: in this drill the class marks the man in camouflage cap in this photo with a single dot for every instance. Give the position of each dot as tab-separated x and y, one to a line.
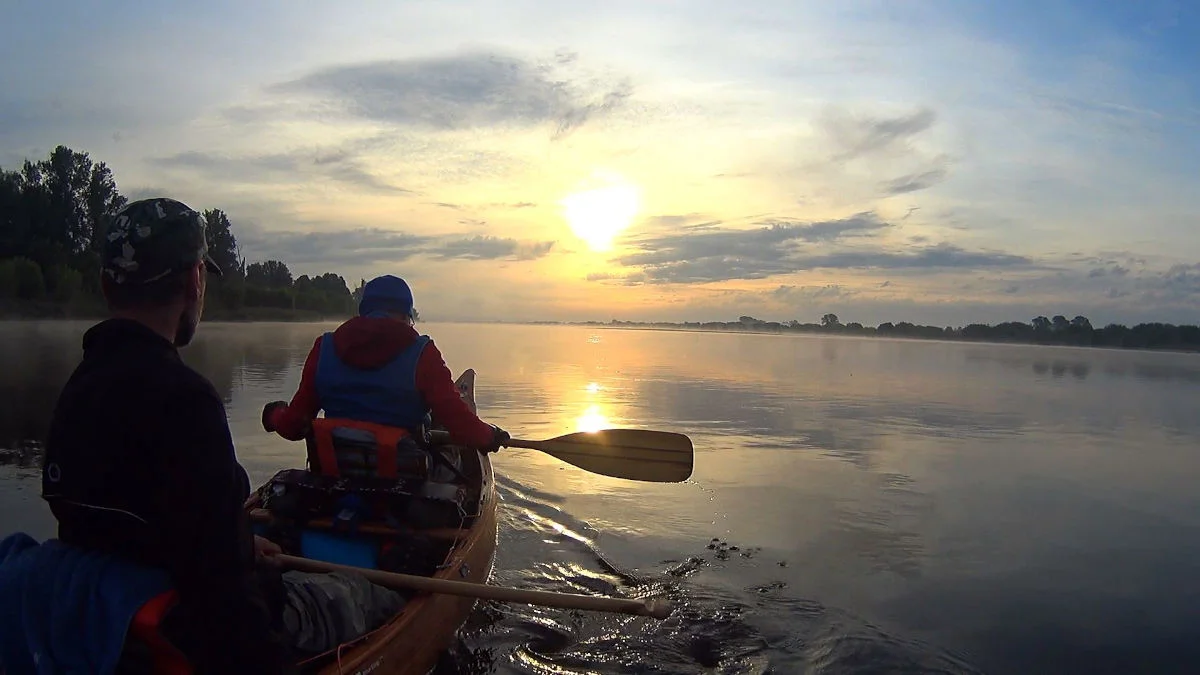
140	463
151	253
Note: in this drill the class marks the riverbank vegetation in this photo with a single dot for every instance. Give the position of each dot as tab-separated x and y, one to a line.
1058	330
53	217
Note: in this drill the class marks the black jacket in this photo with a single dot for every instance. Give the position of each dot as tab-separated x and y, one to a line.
140	462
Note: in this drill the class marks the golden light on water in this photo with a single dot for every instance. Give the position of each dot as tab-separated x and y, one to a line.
598	214
593	387
591	420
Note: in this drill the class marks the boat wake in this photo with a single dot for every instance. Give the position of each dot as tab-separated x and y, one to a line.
757	629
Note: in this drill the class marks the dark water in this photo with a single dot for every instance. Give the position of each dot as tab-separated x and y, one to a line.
858	506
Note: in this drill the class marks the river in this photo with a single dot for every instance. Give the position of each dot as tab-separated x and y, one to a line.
858	505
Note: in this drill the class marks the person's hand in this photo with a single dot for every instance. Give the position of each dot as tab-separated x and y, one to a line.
268	412
265	549
499	438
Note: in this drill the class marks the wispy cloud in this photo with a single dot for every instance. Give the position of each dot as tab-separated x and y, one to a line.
492	248
859	135
365	246
463	91
915	182
297	166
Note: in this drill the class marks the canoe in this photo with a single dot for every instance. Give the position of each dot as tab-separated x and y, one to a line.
413	641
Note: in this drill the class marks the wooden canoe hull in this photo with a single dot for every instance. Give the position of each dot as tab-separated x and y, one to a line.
412	642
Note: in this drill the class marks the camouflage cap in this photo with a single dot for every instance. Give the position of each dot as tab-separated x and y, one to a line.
153	238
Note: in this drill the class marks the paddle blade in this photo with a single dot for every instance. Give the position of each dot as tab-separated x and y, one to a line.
634	454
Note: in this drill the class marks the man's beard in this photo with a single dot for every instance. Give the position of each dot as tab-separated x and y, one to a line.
186	329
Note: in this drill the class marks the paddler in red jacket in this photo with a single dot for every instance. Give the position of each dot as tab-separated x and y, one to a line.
377	368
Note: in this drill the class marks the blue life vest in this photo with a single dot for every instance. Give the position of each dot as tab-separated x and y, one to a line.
387	395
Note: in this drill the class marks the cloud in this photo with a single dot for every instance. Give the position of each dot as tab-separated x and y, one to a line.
340	165
1113	270
1178	284
800	294
632	279
364	246
464	91
858	135
915	182
783	247
354	246
771	242
492	248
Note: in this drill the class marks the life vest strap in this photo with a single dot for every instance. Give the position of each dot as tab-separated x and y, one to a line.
386	439
145	628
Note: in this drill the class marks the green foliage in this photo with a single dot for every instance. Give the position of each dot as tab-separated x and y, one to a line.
8	279
222	245
27	280
53	217
1057	331
63	283
269	274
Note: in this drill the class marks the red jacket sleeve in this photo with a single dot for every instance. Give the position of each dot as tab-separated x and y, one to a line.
293	420
437	386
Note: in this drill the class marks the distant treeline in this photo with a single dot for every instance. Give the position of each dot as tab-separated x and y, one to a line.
1058	330
53	217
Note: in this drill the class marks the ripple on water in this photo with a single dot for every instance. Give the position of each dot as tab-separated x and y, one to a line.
758	629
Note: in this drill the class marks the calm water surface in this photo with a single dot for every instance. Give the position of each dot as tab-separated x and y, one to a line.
859	506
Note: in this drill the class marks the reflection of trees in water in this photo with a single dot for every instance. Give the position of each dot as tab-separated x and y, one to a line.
1117	365
36	359
229	354
1078	369
24	454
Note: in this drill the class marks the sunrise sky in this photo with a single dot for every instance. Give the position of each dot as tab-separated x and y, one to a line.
938	162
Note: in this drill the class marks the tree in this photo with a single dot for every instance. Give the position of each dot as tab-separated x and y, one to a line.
830	321
1060	323
28	280
102	201
63	283
68	175
222	245
8	279
270	274
1041	323
1082	323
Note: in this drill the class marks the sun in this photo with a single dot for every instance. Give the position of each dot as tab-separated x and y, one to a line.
598	214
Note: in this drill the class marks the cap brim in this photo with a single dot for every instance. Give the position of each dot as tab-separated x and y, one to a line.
213	268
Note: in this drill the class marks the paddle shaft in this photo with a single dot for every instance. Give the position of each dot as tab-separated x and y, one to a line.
654	607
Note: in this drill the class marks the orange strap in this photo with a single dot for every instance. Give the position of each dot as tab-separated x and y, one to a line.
326	456
168	660
386	440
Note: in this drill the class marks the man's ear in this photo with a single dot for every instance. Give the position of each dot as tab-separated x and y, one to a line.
195	281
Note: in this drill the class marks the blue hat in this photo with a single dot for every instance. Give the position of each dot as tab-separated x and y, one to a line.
387	295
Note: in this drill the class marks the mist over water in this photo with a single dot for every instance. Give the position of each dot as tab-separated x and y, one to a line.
858	505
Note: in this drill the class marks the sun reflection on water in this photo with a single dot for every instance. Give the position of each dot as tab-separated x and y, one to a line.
591	420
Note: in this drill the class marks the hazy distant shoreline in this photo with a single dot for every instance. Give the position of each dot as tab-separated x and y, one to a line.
1142	337
54	312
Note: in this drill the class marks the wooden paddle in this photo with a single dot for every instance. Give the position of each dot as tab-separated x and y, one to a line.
635	454
658	608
